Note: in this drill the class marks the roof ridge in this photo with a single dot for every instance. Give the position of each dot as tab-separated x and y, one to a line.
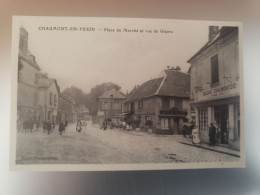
160	85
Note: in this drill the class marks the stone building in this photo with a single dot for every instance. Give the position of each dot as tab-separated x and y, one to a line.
110	105
48	91
27	91
215	93
66	110
162	102
83	113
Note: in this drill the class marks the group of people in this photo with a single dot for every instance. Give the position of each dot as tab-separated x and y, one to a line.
192	130
27	126
48	126
81	125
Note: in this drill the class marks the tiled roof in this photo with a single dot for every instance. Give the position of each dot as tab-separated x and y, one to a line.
174	83
47	82
112	93
29	57
146	89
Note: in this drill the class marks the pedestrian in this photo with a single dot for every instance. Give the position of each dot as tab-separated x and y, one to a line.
78	127
185	129
217	136
195	136
124	125
84	124
44	126
212	134
61	127
53	126
49	127
105	125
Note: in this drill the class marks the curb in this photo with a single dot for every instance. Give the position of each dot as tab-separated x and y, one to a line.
223	152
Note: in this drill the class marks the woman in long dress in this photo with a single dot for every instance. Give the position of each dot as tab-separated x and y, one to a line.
195	136
79	126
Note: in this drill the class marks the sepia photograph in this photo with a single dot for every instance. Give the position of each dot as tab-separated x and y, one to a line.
126	94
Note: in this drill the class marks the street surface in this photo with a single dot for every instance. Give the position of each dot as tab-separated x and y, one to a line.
111	146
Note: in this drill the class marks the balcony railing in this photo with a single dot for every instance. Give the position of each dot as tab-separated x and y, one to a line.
173	111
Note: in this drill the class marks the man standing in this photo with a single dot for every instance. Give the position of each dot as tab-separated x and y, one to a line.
212	134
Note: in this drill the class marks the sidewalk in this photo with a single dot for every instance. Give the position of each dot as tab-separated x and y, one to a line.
216	148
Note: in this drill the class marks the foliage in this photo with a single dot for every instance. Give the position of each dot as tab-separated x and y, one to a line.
75	94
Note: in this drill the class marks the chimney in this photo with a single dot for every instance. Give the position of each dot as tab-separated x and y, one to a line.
23	44
178	68
172	68
213	31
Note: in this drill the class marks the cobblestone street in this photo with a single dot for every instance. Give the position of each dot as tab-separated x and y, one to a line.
95	146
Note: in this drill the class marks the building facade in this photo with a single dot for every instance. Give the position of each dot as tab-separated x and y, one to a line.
161	103
215	93
27	91
110	105
48	90
66	110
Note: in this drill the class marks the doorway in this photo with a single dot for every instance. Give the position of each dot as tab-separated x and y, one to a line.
176	125
221	118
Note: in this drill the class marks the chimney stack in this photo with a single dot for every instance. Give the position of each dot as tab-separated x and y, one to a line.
213	31
178	68
23	44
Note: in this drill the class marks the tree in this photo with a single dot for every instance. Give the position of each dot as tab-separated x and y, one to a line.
75	94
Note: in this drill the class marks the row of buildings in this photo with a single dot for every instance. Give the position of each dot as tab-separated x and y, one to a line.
208	93
38	96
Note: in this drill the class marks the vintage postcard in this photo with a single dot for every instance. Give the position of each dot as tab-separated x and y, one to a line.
126	94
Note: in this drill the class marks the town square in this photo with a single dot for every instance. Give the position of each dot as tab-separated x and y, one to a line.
104	100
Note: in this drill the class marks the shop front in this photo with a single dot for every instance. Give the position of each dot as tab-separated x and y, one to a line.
223	110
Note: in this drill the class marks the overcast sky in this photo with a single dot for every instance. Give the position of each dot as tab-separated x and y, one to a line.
88	58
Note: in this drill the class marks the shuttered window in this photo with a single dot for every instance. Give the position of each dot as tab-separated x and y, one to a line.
214	69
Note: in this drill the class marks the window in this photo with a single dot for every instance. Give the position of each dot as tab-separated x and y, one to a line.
140	105
148	121
117	105
165	103
50	98
203	119
164	123
36	79
105	105
132	106
35	98
214	69
49	115
55	100
178	104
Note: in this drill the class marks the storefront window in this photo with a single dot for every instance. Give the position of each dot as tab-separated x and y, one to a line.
203	119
